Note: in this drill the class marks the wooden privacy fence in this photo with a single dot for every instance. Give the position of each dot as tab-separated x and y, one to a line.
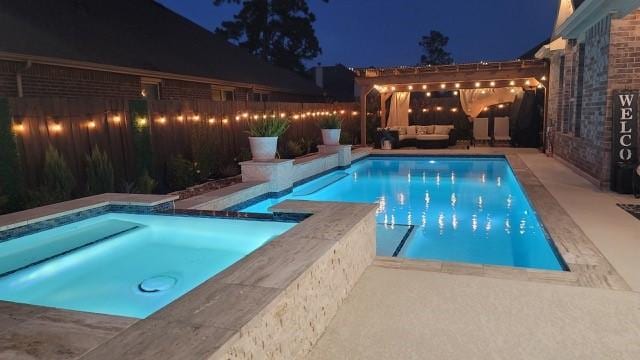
75	126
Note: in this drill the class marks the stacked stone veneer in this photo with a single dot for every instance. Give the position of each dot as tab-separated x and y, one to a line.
611	62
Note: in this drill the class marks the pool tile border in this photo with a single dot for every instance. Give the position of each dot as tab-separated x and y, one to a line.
587	266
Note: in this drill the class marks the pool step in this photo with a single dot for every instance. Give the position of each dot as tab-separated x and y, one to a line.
22	252
319	184
390	239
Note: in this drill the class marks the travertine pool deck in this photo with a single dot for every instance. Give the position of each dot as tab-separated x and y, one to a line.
422	315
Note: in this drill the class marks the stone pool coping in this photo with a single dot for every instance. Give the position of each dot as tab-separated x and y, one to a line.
586	264
276	302
48	212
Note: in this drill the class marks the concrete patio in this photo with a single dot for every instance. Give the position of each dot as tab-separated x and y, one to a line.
414	313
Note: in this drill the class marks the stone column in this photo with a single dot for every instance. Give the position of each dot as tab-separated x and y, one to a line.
278	173
343	151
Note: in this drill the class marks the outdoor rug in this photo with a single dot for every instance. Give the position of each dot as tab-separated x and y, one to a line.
632	209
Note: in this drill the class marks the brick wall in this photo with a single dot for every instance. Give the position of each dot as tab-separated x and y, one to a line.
45	80
8	86
611	61
624	69
184	90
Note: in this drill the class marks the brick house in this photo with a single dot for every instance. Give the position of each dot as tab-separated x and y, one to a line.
132	49
594	51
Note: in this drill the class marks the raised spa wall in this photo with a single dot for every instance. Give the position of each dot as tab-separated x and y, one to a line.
263	179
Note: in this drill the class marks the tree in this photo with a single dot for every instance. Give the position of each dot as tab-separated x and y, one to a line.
278	31
433	46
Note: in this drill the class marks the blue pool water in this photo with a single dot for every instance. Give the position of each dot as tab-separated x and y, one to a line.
147	261
458	209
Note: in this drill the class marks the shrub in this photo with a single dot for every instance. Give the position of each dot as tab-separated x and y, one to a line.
145	183
58	181
269	127
330	122
229	170
297	148
99	172
180	173
203	148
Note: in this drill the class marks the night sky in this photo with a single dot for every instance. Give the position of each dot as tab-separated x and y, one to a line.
385	33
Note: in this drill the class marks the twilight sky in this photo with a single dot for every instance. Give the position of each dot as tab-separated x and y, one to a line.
386	32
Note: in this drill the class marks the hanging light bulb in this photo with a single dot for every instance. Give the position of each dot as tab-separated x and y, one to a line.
443	86
477	84
424	87
429	94
492	84
512	83
457	85
410	87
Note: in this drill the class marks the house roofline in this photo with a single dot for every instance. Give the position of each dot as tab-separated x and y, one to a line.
589	13
9	56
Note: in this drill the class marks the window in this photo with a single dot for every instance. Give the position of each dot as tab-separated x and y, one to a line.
260	96
560	111
577	121
150	89
219	93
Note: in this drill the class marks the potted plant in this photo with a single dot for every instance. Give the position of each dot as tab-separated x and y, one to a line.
263	137
330	127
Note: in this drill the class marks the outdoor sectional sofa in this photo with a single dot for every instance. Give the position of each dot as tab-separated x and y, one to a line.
421	136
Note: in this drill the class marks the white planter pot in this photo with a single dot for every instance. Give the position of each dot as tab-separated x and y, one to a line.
263	148
330	136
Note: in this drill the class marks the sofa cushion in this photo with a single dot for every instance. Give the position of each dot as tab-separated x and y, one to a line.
421	130
442	129
411	130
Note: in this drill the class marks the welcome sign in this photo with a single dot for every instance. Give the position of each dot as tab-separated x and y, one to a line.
625	127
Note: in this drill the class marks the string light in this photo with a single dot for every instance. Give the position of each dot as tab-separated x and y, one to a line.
180	118
424	110
142	121
512	83
196	117
513	91
439	108
161	120
354	113
424	87
410	111
443	86
455	93
91	124
212	120
410	87
116	119
237	117
543	78
454	109
477	84
393	88
492	84
539	86
225	120
18	127
527	82
284	114
429	94
55	127
245	115
457	85
341	112
500	106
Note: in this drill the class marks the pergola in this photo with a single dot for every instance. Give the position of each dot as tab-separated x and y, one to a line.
519	73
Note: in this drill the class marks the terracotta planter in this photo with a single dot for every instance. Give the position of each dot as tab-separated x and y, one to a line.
330	136
263	148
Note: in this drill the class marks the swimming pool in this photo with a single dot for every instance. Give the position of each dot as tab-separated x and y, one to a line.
461	209
125	264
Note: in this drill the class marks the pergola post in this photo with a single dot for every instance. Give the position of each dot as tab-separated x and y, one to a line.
363	113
